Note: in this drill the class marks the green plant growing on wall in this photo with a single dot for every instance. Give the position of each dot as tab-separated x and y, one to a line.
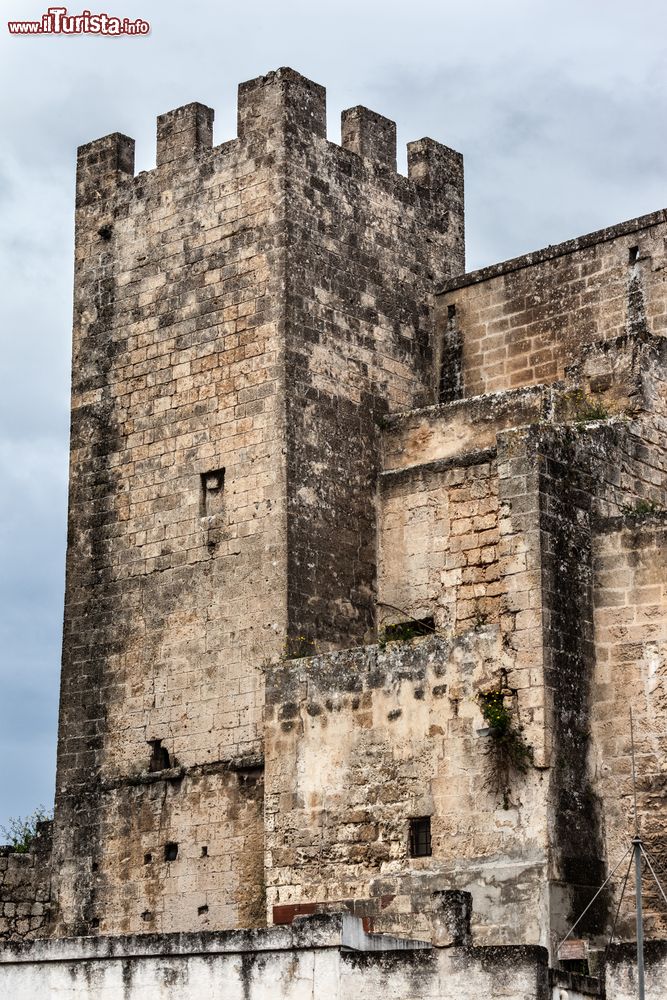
22	831
585	408
508	751
642	508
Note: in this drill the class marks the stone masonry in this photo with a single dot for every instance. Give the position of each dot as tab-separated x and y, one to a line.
367	563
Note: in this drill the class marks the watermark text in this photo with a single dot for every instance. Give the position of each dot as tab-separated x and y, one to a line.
56	21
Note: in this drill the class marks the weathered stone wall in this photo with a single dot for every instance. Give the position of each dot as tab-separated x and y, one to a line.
438	543
25	889
554	460
621	971
242	316
359	742
630	562
260	470
523	322
325	956
173	575
366	249
580	469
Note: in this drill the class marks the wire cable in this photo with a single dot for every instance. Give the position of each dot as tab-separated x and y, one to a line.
618	908
580	918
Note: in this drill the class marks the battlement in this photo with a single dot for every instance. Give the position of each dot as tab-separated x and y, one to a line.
269	108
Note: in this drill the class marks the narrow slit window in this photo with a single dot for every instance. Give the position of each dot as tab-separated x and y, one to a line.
420	837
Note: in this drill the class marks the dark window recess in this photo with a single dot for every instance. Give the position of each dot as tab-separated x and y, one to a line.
106	232
147	915
451	360
148	858
204	852
578	966
159	756
212	492
170	851
95	866
202	909
95	922
420	837
634	255
409	629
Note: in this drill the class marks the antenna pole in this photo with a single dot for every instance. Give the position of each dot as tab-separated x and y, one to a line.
640	923
634	775
638	849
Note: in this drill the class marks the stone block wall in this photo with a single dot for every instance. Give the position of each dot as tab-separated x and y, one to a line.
524	321
438	543
630	563
243	315
360	742
366	248
25	890
554	469
176	542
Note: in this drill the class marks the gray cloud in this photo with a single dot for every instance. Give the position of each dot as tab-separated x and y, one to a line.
558	108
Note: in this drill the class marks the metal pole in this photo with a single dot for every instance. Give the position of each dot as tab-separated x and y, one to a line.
638	848
634	774
640	923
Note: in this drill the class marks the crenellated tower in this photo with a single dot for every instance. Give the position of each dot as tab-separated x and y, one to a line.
244	318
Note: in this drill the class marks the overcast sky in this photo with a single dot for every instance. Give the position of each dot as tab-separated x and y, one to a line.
559	107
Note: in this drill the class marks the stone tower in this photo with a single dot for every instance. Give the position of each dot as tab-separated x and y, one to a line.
367	564
245	317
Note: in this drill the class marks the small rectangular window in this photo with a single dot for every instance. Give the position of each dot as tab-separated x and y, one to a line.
170	851
212	492
420	837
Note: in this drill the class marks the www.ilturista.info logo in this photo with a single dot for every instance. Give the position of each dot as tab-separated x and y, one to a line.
57	21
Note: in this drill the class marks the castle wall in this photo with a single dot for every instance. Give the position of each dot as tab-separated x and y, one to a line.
173	584
438	538
366	247
359	742
523	322
631	674
25	890
242	316
282	445
552	477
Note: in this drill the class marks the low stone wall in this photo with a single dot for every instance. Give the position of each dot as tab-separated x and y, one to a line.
324	956
25	889
360	742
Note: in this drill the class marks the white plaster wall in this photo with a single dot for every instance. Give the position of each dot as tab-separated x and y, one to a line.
296	963
622	975
308	975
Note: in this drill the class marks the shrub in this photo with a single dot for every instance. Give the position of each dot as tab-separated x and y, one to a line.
22	831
